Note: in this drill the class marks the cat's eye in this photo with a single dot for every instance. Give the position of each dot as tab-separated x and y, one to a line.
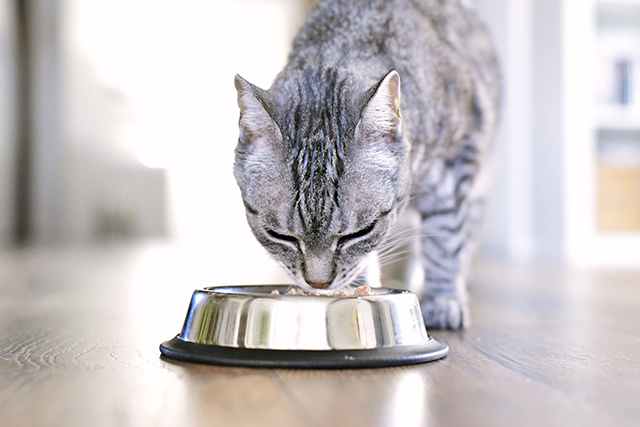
283	237
350	237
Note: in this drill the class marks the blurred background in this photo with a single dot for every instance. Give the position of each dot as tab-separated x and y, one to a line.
119	122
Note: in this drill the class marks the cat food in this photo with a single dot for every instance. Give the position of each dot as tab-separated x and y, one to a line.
296	292
360	291
363	290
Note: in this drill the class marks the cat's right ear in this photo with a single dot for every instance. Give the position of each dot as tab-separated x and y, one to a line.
381	119
256	125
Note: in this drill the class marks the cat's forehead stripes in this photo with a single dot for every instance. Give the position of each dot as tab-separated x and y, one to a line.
317	128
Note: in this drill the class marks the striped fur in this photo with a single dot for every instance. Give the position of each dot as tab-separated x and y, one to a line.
386	108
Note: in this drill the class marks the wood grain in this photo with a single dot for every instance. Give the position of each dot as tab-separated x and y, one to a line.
80	328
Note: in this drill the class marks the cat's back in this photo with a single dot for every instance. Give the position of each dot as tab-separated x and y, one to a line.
439	47
346	33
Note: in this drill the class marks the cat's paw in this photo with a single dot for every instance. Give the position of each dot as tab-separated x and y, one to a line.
444	313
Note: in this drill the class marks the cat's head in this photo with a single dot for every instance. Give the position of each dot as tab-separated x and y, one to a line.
324	171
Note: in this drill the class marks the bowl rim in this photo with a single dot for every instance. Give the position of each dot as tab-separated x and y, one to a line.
186	351
383	292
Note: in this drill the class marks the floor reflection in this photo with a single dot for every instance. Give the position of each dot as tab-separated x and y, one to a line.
242	396
392	396
410	403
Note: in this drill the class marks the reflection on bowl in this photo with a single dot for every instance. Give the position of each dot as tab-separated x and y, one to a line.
249	322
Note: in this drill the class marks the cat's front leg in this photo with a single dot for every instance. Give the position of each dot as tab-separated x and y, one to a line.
447	246
445	310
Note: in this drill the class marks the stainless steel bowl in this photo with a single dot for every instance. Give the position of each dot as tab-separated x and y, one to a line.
250	326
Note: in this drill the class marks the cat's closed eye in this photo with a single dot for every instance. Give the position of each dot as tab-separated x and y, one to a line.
281	237
350	238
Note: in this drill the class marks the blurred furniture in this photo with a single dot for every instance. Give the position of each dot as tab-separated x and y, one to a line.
618	198
602	131
618	116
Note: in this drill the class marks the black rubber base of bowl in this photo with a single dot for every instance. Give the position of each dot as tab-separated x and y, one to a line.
303	359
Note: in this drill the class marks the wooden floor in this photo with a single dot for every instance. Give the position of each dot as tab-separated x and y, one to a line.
80	328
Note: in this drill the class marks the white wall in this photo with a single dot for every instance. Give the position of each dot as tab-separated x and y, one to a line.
508	221
495	233
47	106
548	158
7	120
524	215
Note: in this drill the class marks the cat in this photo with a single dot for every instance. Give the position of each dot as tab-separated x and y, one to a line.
385	111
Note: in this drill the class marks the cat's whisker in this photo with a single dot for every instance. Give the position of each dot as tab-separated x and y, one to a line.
394	257
413	235
397	250
409	238
391	254
393	261
354	274
395	244
391	245
405	231
400	247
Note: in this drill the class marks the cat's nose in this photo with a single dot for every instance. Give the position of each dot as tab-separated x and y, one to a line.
318	270
319	286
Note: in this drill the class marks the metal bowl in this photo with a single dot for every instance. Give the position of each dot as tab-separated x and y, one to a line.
250	326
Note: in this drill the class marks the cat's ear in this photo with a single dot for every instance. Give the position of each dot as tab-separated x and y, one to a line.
256	124
380	119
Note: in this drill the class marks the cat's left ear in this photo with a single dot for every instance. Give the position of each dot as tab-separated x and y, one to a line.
257	127
381	118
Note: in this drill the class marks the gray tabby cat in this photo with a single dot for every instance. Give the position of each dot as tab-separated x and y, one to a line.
333	156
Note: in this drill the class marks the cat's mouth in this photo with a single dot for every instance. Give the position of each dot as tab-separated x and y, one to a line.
319	286
339	282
